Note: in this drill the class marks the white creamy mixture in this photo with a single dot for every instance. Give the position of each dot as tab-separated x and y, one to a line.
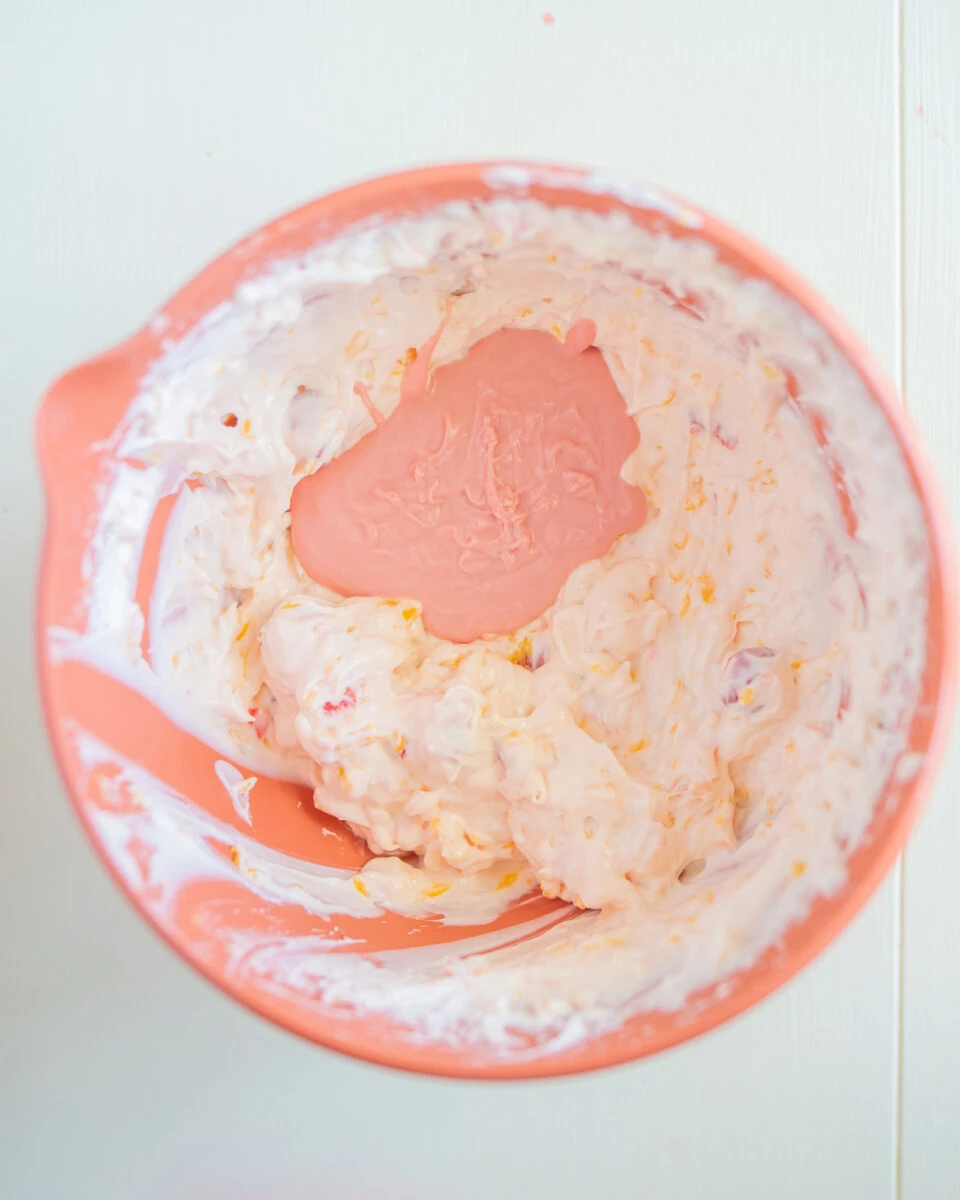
689	740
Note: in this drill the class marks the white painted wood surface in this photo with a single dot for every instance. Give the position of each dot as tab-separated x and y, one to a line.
931	965
137	141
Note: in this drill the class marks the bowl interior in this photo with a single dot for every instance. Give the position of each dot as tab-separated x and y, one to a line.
146	789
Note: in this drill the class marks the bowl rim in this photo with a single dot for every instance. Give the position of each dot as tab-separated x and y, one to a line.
405	1055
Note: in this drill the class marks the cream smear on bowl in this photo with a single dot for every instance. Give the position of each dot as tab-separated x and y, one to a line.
685	744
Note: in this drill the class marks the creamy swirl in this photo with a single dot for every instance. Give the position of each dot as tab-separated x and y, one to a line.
693	733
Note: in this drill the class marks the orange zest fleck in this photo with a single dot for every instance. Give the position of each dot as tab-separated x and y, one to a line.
523	655
436	890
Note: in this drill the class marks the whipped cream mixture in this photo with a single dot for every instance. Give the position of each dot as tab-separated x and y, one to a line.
691	735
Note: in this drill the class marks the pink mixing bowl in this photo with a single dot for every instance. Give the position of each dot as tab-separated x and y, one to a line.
188	886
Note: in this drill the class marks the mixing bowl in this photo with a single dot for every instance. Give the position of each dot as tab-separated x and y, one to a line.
146	790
